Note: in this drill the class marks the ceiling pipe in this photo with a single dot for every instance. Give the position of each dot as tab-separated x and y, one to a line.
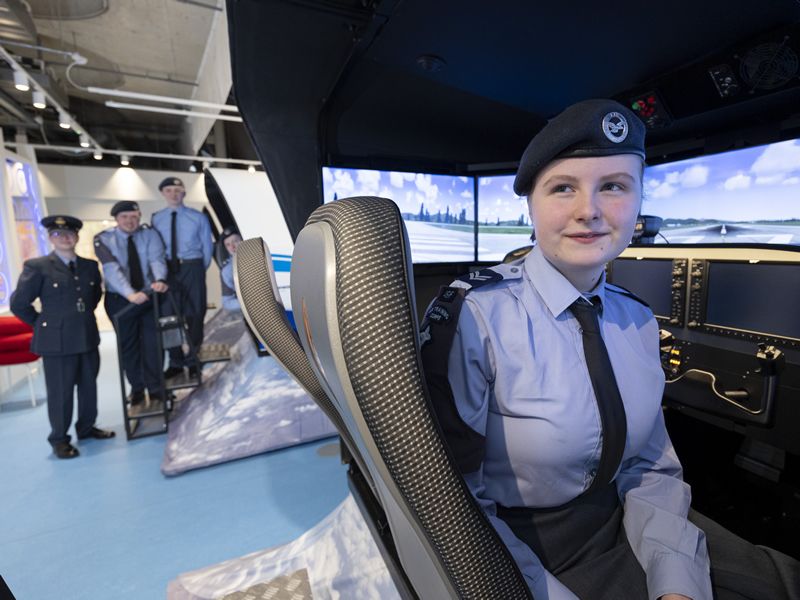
133	153
172	111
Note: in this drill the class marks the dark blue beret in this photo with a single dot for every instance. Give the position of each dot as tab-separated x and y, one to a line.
63	222
170	181
228	232
123	206
589	128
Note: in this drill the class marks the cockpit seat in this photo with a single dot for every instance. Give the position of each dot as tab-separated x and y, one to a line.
353	300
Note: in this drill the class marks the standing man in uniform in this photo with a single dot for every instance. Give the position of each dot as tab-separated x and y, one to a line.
65	331
187	237
133	262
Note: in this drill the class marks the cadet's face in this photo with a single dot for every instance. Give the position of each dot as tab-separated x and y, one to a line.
128	221
584	212
63	239
232	243
173	194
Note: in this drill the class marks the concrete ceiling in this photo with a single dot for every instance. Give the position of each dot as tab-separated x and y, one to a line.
146	46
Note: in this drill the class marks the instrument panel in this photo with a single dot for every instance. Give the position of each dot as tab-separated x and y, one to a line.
730	332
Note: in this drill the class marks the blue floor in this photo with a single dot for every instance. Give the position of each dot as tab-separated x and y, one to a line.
109	525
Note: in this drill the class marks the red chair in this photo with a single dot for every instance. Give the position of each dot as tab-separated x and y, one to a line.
15	343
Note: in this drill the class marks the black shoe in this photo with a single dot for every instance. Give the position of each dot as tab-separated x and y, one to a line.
65	450
194	372
172	372
135	398
98	434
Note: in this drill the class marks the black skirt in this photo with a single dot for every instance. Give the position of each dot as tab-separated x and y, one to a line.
583	543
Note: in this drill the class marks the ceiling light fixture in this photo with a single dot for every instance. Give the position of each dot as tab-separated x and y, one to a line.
63	120
84	141
172	111
251	169
39	100
21	81
192	168
124	160
98	155
164	99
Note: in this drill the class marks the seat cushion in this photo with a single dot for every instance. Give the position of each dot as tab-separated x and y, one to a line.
17	358
16	343
10	325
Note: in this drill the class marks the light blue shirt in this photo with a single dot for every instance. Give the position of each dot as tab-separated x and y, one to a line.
519	377
192	230
229	301
111	248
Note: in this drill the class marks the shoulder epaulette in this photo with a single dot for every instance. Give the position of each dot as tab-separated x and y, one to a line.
625	292
489	276
144	226
517	254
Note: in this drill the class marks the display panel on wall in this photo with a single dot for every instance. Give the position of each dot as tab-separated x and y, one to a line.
503	220
438	210
742	197
28	210
5	268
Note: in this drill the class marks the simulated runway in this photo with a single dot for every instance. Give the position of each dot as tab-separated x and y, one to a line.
430	243
732	234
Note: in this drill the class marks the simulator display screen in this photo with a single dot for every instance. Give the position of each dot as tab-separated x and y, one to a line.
503	221
742	197
649	279
438	210
761	297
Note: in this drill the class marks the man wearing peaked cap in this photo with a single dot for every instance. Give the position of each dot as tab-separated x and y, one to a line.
65	331
133	262
61	223
187	237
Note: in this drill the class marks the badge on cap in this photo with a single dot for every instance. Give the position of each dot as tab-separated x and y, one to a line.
176	182
615	127
60	221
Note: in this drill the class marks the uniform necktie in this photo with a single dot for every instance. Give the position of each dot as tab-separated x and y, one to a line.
72	266
134	266
173	242
609	401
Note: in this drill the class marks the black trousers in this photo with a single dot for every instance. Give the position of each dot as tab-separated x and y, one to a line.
187	284
62	374
136	332
583	544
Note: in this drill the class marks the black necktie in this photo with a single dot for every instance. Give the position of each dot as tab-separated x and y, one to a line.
609	401
72	266
173	242
134	266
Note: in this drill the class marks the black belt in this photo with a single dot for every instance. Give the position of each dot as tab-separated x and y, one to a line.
565	535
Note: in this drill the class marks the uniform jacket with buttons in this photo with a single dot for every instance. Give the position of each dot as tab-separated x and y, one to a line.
60	328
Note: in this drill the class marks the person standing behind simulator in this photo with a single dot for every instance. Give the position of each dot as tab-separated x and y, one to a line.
231	239
187	237
133	262
65	332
